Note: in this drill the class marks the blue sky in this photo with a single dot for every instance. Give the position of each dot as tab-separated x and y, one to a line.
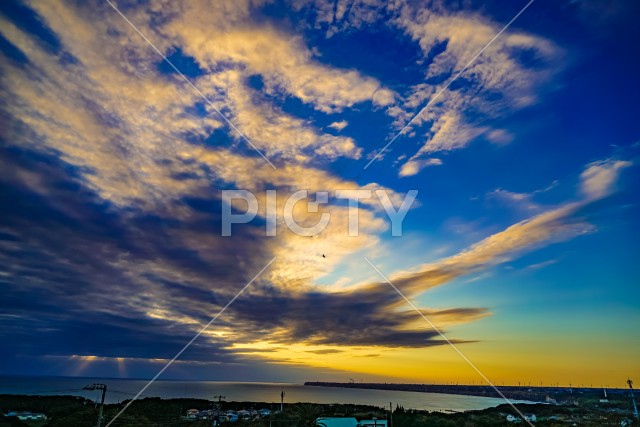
524	237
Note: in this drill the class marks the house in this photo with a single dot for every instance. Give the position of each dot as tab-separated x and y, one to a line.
264	412
373	423
26	415
336	422
191	413
204	415
243	414
513	419
232	416
530	417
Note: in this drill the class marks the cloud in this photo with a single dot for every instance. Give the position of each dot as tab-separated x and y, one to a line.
540	265
351	313
549	226
283	60
339	125
326	351
150	285
126	167
520	201
110	243
412	167
598	178
552	226
109	123
500	136
343	15
277	134
178	293
495	84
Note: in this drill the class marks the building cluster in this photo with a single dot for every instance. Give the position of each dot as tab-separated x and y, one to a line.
349	422
26	415
527	417
232	416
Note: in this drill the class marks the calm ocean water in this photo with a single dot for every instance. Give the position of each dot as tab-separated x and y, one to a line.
121	389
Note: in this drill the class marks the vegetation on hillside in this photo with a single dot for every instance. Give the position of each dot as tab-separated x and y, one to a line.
65	411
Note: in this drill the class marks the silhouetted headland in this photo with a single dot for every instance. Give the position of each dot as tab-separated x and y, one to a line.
530	393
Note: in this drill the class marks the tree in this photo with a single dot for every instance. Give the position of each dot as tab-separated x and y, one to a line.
305	415
11	422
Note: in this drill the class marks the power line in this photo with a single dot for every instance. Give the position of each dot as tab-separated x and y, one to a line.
103	388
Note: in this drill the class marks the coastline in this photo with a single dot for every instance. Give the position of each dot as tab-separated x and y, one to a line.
119	390
522	393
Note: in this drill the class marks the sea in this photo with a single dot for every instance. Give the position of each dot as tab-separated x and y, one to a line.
123	389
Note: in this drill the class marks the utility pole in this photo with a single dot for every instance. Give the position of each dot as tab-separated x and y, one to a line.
102	387
390	414
282	402
218	404
633	399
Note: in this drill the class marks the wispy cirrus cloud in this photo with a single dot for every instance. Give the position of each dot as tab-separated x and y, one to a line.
338	126
496	83
599	177
511	73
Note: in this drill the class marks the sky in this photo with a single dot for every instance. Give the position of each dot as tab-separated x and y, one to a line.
122	124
